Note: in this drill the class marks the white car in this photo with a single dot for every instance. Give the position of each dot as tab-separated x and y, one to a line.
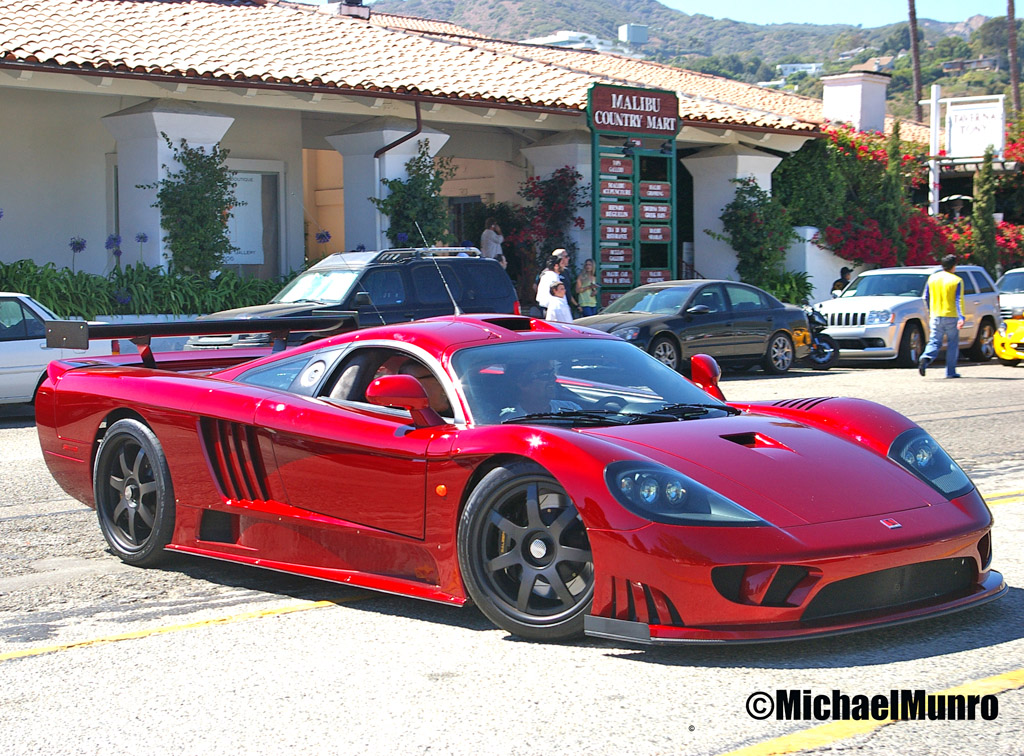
1011	291
881	316
23	351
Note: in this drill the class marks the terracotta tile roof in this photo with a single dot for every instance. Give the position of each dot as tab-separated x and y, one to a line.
270	43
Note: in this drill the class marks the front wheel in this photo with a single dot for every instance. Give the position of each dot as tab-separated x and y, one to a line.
134	496
779	357
911	346
665	351
524	554
824	352
983	349
1010	362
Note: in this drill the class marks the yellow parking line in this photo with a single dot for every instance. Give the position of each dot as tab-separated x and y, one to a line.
289	609
824	735
1004	497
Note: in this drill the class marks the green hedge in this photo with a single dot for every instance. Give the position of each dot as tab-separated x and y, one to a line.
134	290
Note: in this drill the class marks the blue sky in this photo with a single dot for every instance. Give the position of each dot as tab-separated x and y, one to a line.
868	13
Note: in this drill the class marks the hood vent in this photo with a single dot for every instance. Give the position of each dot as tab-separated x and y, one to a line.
801	404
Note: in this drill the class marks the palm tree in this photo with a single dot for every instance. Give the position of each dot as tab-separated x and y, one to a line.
1011	31
915	56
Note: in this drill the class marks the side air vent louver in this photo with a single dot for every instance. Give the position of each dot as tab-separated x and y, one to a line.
234	455
638	602
801	404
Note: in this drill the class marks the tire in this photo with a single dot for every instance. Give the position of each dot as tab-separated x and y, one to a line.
1009	363
134	495
524	554
911	346
983	349
779	357
665	351
826	356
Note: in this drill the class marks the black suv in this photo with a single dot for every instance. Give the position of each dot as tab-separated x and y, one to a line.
390	286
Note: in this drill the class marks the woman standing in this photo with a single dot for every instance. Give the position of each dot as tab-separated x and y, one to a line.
586	289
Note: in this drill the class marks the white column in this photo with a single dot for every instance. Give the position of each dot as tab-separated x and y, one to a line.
362	174
713	171
143	158
571	148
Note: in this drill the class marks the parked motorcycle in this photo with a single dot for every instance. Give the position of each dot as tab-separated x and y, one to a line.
824	349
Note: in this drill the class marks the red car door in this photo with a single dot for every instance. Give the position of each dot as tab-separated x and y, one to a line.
363	465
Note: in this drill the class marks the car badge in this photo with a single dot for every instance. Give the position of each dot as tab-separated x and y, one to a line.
890	523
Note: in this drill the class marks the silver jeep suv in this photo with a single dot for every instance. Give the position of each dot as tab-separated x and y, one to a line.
880	315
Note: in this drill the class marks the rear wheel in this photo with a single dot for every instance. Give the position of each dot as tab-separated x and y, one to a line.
983	349
665	351
524	554
134	496
779	357
1009	363
911	346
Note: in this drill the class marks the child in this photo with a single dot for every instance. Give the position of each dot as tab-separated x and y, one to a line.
558	306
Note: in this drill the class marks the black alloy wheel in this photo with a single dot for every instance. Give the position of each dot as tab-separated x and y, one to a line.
524	554
134	496
911	346
983	349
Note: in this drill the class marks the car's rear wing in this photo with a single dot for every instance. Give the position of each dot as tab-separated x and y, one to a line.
76	334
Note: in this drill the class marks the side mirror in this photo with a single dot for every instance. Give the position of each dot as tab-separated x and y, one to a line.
836	293
705	372
698	310
362	299
404	392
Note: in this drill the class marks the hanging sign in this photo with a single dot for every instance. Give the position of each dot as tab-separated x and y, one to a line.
632	110
607	297
656	233
617	166
655	276
617	188
656	213
616	277
616	211
616	256
655	190
616	233
971	127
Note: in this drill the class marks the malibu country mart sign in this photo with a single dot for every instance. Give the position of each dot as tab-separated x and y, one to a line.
629	110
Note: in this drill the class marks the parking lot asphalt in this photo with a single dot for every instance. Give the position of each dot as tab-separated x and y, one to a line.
206	657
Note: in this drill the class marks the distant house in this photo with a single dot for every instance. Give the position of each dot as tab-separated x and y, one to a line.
851	54
876	65
788	69
963	66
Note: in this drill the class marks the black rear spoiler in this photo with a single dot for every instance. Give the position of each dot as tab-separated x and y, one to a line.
76	334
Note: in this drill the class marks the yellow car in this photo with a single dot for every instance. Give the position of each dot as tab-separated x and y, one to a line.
1009	339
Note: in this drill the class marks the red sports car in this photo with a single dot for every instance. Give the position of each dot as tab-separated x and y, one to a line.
559	478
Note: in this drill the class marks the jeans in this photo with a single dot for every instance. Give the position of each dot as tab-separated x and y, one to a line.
587	311
943	328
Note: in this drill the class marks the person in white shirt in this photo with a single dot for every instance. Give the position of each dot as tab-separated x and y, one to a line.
558	305
552	274
491	239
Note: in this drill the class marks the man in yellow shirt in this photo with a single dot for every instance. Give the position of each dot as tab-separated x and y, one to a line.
944	297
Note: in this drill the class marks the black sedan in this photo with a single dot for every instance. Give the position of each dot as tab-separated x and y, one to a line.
737	324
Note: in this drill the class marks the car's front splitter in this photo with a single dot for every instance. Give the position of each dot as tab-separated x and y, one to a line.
991	588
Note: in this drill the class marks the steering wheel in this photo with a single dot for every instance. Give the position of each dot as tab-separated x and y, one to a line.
611	403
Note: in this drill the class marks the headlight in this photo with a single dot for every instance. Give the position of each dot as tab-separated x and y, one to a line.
879	317
661	494
921	454
632	333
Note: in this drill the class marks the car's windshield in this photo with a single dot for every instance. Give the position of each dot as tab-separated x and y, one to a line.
319	285
1012	282
661	300
502	382
887	285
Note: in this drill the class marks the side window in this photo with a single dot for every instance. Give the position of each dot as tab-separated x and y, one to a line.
984	286
278	375
362	366
16	323
384	285
968	282
426	281
486	282
743	299
711	297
